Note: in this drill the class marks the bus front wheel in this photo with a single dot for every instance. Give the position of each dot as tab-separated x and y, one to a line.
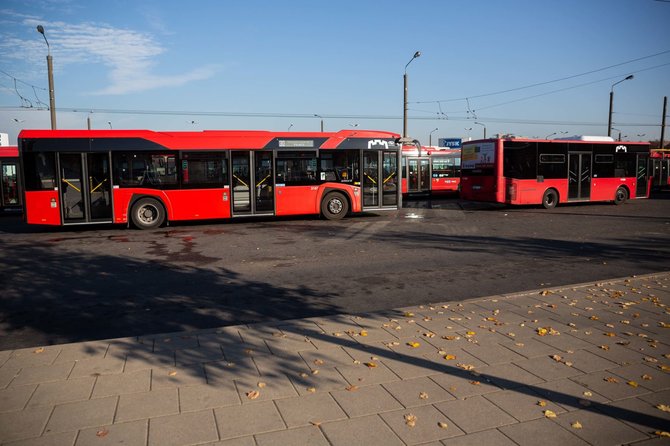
147	213
620	196
550	199
334	206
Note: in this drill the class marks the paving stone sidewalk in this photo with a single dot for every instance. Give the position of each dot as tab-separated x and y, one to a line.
577	365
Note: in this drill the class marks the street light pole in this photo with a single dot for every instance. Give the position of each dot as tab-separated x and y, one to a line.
609	121
319	116
479	123
50	70
404	80
430	137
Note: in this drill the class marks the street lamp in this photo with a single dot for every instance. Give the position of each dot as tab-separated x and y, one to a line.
619	133
479	123
550	135
430	136
110	124
467	129
319	116
609	121
50	70
404	80
289	127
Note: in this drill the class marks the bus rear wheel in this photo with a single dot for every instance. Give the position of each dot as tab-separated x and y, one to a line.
334	206
550	199
147	213
620	196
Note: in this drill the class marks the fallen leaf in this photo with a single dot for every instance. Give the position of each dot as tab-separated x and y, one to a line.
410	420
172	373
549	414
413	344
363	333
102	433
442	425
475	383
39	350
409	314
542	331
311	389
576	425
465	366
261	385
423	395
632	383
315	423
662	433
470	333
557	358
665	368
650	359
664	325
371	365
429	335
605	347
663	407
646	377
449	357
611	379
542	403
610	334
587	393
252	395
318	362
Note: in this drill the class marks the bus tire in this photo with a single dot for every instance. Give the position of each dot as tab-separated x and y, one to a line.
147	213
620	196
550	199
334	206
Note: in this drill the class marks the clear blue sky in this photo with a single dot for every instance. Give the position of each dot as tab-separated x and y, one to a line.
282	62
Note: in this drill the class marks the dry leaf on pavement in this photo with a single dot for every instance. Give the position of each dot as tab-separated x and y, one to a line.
410	420
549	414
577	425
252	395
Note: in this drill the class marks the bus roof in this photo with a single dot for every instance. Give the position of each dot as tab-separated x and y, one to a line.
9	152
214	139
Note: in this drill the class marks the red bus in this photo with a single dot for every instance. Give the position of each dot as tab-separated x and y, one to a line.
147	178
430	170
10	194
534	171
660	167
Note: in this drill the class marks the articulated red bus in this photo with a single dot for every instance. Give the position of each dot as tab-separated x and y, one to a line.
533	171
430	170
660	168
10	193
147	178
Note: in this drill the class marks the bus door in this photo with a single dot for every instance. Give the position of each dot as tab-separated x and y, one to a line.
642	180
380	179
85	187
579	175
253	187
418	175
9	192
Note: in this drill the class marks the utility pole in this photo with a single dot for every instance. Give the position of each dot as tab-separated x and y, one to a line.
665	112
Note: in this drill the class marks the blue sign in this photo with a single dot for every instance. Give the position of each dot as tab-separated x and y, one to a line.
452	143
